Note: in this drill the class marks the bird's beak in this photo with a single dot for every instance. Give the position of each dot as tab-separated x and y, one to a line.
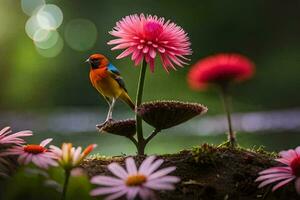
87	60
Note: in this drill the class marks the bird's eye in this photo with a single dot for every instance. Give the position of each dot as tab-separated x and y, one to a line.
95	62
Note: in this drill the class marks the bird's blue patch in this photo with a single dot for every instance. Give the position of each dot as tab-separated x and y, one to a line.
113	69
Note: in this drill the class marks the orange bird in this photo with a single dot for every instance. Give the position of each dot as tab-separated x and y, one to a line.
107	80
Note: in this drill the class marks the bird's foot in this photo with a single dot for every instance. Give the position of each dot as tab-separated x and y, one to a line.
101	126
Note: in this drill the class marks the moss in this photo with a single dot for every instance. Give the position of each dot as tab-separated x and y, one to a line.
205	154
210	172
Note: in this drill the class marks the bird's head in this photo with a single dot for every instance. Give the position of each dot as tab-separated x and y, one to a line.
97	61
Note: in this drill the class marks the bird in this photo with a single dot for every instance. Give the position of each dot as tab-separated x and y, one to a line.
107	80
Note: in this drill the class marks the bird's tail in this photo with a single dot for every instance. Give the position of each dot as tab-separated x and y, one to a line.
125	97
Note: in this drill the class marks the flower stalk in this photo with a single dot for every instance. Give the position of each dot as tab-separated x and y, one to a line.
66	183
146	37
153	134
139	123
226	103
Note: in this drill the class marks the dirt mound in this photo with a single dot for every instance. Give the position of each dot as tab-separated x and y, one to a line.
209	172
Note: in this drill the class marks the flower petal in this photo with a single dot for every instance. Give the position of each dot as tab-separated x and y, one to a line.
132	192
154	166
76	155
5	130
275	170
130	166
28	159
147	194
165	179
45	142
107	190
159	186
22	158
116	195
117	170
126	53
268	181
146	164
161	173
282	183
268	176
106	180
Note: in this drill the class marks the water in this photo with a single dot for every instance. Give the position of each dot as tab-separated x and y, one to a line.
276	130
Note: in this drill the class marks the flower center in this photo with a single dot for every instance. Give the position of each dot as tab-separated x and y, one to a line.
136	180
152	30
34	149
295	165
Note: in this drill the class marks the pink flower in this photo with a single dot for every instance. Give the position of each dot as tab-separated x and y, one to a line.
282	175
146	36
35	153
220	69
70	157
134	182
7	138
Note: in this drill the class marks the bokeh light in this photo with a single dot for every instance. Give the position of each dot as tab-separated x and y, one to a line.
81	34
30	6
32	26
52	51
40	35
49	41
49	17
41	28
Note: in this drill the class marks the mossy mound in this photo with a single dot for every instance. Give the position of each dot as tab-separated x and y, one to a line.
209	172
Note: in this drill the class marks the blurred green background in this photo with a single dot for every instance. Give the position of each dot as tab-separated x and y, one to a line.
42	69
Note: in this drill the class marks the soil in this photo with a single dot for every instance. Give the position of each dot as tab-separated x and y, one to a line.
208	172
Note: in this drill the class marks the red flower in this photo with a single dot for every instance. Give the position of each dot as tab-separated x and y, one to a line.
220	69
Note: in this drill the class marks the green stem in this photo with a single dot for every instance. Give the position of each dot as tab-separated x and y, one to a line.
154	133
139	126
226	103
67	177
133	140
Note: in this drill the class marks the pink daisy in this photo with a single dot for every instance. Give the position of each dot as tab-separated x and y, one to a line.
134	182
35	153
282	175
7	138
145	37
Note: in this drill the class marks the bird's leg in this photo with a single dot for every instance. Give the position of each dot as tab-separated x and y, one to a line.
109	114
111	107
109	102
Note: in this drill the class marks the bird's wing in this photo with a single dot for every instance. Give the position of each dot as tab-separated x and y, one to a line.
121	82
113	69
115	74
